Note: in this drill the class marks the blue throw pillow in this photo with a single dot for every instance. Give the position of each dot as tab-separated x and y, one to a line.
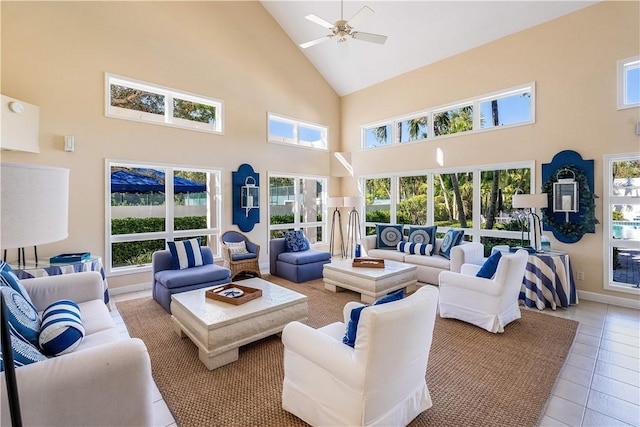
388	236
9	278
490	266
23	353
424	235
415	248
451	238
62	330
352	327
295	241
23	318
185	253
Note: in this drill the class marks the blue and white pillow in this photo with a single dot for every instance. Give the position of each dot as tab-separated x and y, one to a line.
9	278
352	327
186	253
23	353
62	330
451	238
295	241
424	235
415	248
23	318
489	267
388	236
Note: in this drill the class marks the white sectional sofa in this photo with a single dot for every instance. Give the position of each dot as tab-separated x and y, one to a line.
429	267
106	381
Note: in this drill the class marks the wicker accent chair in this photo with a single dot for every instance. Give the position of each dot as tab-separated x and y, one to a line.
248	262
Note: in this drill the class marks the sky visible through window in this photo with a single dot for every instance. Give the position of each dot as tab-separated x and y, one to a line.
285	130
633	85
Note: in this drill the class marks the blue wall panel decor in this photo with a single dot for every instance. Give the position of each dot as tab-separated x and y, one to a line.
570	164
245	219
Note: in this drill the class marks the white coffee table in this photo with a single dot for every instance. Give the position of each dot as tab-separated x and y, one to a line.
371	283
218	329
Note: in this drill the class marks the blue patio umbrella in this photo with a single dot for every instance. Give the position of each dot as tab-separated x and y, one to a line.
149	180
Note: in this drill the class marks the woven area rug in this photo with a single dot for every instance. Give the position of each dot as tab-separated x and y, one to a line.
475	378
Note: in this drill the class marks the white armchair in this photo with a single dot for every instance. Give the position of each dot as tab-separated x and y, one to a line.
488	303
379	382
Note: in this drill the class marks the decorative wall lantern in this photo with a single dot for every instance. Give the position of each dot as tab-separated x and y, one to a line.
565	193
249	195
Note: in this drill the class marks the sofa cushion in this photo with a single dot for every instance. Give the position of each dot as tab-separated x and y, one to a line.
451	239
62	330
388	236
387	254
354	318
415	248
423	235
295	241
240	257
179	278
306	257
23	318
185	253
435	261
490	266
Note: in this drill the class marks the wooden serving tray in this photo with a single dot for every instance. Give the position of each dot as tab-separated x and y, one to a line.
248	295
368	262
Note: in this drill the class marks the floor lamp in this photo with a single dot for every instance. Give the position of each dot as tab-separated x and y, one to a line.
336	202
353	227
530	202
34	206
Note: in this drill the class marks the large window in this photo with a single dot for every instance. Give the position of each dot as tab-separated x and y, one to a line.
297	202
292	131
477	199
510	107
622	222
150	204
629	82
135	100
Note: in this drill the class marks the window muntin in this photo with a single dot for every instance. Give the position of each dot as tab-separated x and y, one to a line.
622	222
148	205
296	132
297	202
629	82
134	100
514	107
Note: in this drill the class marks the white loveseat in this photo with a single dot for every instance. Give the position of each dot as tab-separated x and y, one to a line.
106	381
429	267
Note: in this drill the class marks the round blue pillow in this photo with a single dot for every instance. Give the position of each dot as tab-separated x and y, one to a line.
62	330
22	316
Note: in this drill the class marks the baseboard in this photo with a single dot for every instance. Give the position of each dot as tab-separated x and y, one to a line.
609	299
131	288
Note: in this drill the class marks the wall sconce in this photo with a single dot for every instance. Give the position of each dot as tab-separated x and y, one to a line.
565	194
249	195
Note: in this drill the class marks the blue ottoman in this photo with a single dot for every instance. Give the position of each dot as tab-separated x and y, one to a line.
296	266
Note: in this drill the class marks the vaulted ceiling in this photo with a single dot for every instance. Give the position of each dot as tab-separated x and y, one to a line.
419	32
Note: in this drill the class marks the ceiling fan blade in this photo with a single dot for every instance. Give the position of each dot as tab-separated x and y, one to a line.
361	15
368	37
315	42
319	21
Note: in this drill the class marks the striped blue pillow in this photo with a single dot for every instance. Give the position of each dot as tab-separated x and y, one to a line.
185	253
415	248
62	330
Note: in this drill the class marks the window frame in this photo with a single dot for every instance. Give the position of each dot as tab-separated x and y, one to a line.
622	66
473	102
169	234
297	124
608	241
167	119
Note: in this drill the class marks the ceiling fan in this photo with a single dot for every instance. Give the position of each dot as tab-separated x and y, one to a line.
343	29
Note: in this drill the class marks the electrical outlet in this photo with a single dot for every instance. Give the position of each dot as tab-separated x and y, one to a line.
580	275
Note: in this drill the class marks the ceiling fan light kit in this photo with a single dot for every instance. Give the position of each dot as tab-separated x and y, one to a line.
343	29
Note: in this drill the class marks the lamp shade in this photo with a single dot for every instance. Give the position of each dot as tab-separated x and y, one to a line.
521	201
354	201
34	205
335	202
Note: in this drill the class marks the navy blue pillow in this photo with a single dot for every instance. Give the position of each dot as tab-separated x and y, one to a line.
352	327
451	238
295	241
424	235
490	266
388	236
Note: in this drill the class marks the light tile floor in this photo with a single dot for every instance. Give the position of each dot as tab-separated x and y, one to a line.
599	384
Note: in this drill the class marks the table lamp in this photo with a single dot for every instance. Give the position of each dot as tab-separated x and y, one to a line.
530	202
34	206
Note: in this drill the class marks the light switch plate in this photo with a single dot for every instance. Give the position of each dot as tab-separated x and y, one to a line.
69	144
